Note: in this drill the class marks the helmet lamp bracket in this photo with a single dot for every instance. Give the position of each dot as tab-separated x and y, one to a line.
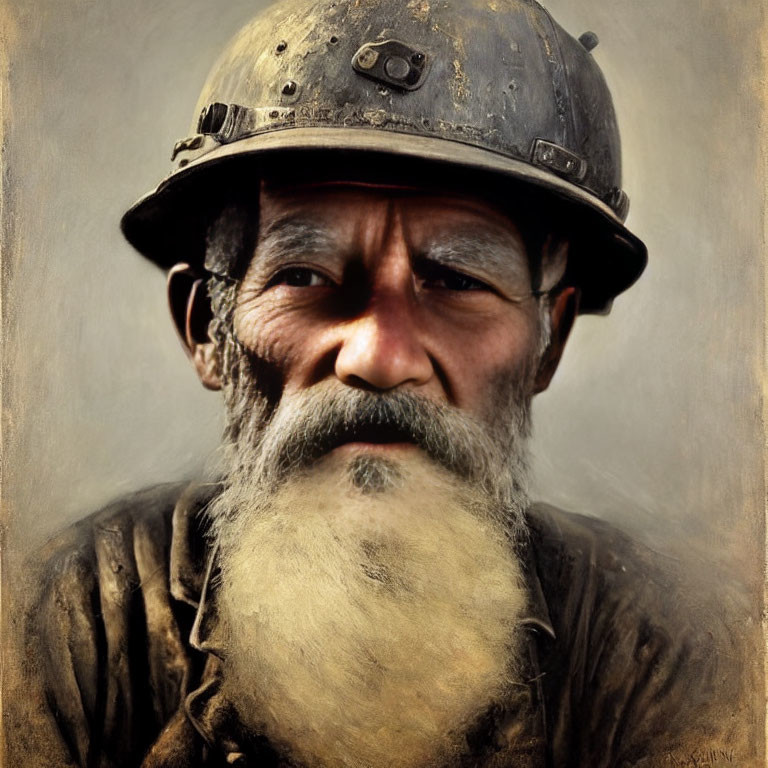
392	63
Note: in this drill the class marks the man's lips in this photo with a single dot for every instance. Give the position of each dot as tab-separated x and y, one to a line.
356	446
372	436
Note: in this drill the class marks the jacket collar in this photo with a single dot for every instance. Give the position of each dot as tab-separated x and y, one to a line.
190	546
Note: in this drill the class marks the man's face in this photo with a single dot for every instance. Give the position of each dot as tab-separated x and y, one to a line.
384	289
378	359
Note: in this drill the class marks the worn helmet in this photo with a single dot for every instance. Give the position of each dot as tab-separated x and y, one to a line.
490	95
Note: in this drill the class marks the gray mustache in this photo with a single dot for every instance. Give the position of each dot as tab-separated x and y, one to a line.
325	423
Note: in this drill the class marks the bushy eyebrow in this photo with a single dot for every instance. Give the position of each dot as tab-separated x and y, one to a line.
290	238
482	251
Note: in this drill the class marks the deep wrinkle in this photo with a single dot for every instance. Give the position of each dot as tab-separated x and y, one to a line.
376	306
293	241
486	253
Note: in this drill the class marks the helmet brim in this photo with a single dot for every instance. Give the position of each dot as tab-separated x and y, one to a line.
169	224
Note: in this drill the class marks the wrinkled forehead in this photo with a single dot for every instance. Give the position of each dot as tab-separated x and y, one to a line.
346	209
326	206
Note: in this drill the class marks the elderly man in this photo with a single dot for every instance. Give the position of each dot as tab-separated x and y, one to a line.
378	238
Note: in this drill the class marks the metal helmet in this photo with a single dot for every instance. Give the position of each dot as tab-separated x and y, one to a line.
490	94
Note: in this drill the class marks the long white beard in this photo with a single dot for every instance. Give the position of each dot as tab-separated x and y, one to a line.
367	627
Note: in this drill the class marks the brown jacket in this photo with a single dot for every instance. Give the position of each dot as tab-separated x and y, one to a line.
118	670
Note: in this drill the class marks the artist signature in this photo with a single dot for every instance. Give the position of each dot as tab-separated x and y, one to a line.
700	758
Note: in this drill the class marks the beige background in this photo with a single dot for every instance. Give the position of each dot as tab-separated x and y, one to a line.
654	420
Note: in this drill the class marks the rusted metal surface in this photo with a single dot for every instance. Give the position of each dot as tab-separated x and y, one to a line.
502	77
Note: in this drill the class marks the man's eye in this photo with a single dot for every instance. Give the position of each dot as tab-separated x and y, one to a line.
451	280
299	277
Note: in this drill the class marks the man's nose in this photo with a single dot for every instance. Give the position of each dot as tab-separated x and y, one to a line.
383	348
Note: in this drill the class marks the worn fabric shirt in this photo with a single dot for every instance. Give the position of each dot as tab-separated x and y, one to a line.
119	666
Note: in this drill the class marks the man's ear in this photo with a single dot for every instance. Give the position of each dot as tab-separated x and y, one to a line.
191	313
562	313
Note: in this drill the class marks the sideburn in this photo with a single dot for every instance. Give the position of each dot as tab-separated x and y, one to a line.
252	383
255	380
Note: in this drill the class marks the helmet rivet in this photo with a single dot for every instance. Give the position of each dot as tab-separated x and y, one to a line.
274	114
367	58
281	46
589	40
333	40
289	89
417	59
